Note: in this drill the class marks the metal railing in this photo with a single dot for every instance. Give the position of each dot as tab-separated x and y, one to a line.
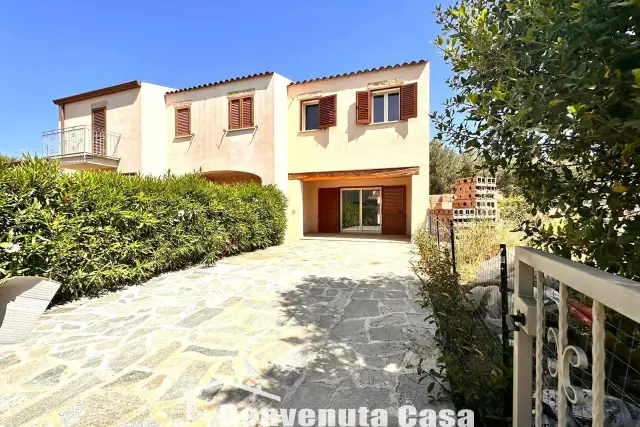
80	140
577	347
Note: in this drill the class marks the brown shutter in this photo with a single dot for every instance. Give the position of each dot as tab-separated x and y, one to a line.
99	128
100	119
301	107
247	112
183	121
409	101
328	210
327	111
363	111
394	210
234	114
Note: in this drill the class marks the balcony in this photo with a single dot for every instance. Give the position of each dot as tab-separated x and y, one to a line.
81	147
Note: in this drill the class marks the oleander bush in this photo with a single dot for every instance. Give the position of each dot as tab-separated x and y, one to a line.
100	231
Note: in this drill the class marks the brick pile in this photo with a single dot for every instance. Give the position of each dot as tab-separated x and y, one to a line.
475	198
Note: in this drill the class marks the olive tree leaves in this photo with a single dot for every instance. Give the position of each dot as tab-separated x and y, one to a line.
551	91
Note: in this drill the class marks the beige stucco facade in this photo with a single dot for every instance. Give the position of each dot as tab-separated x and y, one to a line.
135	115
212	147
351	146
274	147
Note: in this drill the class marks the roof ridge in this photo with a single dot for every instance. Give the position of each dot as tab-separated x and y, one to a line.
353	73
220	82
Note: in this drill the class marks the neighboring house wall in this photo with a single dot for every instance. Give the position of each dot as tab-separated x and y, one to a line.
212	146
153	130
123	117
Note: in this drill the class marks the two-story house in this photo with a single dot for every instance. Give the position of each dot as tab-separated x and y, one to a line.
350	151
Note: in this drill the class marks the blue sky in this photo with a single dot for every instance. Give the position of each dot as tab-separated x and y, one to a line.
51	49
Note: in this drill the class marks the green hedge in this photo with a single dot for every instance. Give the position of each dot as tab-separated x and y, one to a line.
99	231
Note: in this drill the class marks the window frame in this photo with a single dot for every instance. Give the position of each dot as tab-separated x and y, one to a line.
385	92
178	135
303	114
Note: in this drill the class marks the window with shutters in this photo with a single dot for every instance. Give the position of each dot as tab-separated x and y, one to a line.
241	115
183	121
387	105
319	113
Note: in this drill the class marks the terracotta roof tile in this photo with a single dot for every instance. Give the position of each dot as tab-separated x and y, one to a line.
353	73
220	82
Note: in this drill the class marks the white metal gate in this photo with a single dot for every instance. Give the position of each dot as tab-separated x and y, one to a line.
534	268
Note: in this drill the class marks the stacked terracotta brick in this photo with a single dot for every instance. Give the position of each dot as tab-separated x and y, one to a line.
441	206
475	198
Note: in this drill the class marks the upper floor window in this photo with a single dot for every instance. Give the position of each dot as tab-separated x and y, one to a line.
183	121
318	113
387	105
310	115
241	113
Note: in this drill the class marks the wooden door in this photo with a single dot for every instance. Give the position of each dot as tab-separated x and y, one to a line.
329	210
394	210
99	131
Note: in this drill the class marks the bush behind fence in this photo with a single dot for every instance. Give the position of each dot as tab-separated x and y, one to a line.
470	314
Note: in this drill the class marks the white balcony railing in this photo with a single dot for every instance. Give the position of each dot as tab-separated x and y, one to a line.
576	350
80	140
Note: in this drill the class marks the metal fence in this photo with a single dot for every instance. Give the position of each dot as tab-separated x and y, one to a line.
490	292
80	140
569	331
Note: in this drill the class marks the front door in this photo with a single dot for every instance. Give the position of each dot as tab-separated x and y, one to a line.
394	210
360	210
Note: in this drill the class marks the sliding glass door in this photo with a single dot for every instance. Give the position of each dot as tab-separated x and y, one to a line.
360	210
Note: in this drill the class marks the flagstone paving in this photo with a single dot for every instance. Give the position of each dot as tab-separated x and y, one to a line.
317	324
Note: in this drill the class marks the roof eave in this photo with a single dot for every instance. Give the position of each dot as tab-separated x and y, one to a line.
134	84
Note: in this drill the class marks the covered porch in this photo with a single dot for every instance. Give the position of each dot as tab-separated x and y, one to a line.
372	203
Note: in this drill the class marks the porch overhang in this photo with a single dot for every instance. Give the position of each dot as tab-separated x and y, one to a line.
86	161
356	174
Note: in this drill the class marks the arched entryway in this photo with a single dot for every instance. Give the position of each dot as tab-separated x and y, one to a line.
231	177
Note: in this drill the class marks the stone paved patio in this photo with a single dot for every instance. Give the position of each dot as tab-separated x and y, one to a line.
318	323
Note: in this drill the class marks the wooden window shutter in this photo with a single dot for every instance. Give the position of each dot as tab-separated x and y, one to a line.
327	111
301	116
183	121
234	114
247	112
99	127
409	101
99	118
363	111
